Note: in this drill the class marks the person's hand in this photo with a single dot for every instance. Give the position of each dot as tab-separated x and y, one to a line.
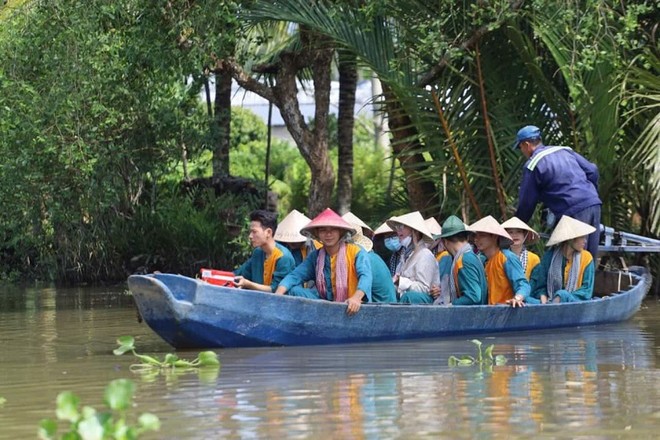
544	299
242	283
434	291
516	301
395	279
354	304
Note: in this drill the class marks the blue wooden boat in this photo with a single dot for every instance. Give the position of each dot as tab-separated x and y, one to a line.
190	313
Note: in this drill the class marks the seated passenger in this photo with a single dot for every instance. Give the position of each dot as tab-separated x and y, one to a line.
401	245
567	270
386	243
506	279
467	282
418	271
435	245
382	287
341	271
270	262
521	234
355	220
288	233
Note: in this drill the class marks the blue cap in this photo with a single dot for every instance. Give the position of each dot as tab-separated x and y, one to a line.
525	133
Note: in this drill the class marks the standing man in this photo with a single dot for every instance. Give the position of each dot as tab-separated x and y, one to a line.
270	262
564	181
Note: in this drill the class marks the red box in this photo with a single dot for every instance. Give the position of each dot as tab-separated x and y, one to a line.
218	277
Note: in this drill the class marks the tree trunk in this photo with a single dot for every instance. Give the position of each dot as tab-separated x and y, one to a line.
221	130
406	139
345	123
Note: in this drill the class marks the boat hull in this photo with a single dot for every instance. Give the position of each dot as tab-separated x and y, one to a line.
189	313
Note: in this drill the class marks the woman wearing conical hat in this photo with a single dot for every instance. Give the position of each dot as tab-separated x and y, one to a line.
417	272
288	233
382	287
341	271
388	238
522	234
567	270
507	283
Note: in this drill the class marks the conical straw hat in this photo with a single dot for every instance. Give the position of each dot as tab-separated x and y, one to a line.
489	225
288	231
360	239
434	227
567	229
516	223
327	218
383	229
413	220
355	221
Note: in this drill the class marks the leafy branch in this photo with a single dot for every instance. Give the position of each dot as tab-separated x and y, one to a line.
171	361
483	358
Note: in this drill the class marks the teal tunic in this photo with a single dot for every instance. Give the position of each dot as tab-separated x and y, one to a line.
253	268
306	271
539	282
382	287
472	282
516	274
297	256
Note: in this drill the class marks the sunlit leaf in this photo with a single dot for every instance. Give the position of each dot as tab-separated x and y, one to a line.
488	353
118	394
67	406
209	358
476	342
128	341
466	361
90	429
148	359
121	350
149	421
47	429
170	359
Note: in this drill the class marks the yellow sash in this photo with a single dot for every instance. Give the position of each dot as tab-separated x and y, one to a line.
584	262
269	265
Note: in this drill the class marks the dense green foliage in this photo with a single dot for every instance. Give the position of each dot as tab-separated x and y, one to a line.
100	118
88	423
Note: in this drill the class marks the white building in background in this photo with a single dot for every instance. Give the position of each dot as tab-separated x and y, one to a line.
363	105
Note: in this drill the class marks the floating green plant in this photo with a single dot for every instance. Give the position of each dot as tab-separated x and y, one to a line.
171	361
89	424
483	358
2	400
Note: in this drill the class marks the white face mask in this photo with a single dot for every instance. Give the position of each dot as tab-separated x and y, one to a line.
406	241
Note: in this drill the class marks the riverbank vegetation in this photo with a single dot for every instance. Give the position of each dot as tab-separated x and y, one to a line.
112	163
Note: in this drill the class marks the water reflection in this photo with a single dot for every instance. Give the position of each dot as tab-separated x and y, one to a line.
599	382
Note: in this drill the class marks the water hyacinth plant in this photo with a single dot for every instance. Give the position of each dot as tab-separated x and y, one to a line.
208	359
88	424
483	358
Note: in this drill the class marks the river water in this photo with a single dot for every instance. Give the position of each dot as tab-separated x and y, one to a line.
598	383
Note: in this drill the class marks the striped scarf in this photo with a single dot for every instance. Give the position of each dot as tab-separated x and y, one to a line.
399	257
453	285
341	275
556	275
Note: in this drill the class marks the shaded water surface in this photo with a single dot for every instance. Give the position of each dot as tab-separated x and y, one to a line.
598	382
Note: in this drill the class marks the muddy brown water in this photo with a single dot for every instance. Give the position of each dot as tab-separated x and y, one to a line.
595	382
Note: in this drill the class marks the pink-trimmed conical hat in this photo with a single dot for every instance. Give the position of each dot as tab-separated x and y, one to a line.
327	219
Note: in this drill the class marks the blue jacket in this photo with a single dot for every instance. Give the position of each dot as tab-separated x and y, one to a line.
561	179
